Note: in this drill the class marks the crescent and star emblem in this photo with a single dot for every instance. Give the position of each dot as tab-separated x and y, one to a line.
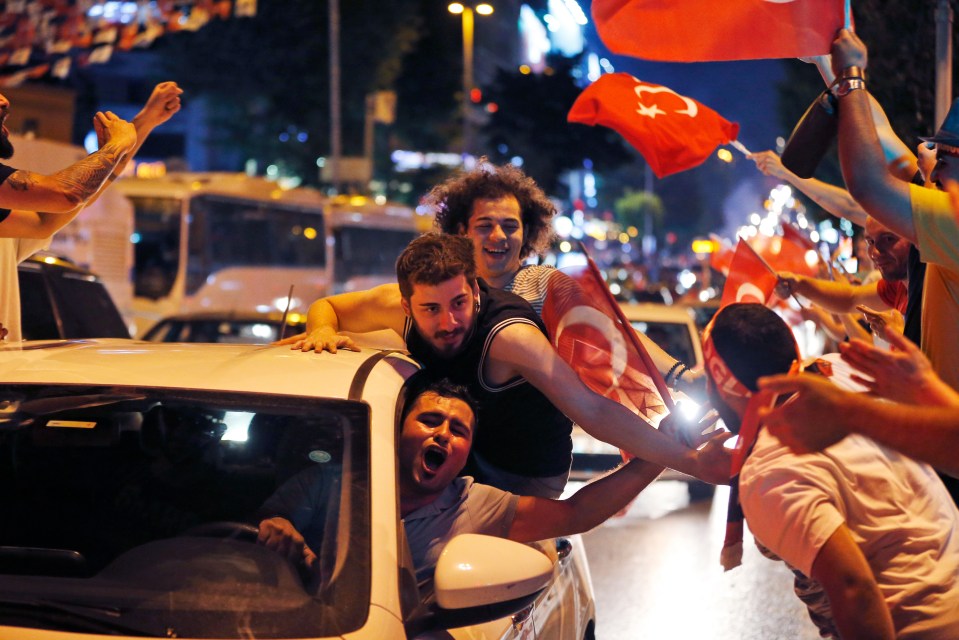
652	111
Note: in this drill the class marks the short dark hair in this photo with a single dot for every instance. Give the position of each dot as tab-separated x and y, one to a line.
753	341
453	201
434	258
424	381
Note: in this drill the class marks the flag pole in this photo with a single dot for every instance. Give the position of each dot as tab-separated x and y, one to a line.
848	11
770	269
739	146
651	369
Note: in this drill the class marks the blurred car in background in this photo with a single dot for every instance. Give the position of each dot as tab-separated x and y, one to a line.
60	300
235	327
136	475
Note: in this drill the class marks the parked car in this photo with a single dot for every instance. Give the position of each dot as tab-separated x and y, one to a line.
239	327
674	329
59	300
133	471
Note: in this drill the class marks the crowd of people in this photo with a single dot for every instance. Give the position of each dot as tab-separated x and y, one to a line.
842	486
839	485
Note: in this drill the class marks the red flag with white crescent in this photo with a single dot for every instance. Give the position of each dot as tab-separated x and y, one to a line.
673	132
749	280
589	337
703	30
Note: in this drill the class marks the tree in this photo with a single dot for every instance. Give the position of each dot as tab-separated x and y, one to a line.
266	79
530	122
640	209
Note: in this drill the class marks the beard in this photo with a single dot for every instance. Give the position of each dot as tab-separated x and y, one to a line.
440	348
6	147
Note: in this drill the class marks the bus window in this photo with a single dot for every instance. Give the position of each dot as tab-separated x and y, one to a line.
226	233
156	246
366	252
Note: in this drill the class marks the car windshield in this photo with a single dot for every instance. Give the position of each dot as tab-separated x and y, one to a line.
226	331
134	511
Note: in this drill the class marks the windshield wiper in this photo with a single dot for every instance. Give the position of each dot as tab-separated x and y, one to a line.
76	617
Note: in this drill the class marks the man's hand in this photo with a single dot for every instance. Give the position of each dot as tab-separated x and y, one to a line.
116	131
787	284
769	163
714	461
279	535
903	374
162	104
690	432
883	322
321	339
812	419
692	383
848	51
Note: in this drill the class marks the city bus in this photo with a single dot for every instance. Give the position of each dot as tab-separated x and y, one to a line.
228	241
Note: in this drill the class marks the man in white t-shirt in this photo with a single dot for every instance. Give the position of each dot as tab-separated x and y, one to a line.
874	530
34	206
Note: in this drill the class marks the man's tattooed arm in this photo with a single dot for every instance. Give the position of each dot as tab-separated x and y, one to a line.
77	183
80	181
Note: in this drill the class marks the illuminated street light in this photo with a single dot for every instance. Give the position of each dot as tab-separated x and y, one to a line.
467	16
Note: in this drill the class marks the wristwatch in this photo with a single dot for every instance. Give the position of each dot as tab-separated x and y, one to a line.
848	85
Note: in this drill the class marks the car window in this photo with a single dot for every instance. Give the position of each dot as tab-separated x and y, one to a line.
673	337
86	309
37	318
133	511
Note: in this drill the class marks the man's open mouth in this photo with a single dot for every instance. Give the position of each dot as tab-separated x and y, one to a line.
434	457
497	252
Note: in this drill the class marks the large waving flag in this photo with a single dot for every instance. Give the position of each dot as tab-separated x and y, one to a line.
590	335
750	279
702	30
673	132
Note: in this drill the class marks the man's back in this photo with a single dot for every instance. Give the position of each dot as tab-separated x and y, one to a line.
896	509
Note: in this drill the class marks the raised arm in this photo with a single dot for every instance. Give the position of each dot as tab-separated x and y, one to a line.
541	518
357	312
72	187
522	350
163	103
835	296
900	160
864	168
833	199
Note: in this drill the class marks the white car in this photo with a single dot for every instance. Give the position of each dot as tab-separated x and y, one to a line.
133	476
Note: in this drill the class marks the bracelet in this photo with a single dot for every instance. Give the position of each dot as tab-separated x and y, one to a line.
848	85
679	376
672	370
852	71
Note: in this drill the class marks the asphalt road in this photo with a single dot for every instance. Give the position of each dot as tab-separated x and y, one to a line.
656	574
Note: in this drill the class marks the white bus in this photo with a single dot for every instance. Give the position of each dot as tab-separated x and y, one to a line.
226	241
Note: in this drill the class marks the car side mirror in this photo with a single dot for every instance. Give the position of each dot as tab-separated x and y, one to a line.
479	579
476	570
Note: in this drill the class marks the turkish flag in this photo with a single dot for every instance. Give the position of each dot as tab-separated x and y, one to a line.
790	252
589	337
673	132
750	279
702	30
722	255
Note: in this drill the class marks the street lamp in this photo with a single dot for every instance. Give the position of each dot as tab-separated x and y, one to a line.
467	14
